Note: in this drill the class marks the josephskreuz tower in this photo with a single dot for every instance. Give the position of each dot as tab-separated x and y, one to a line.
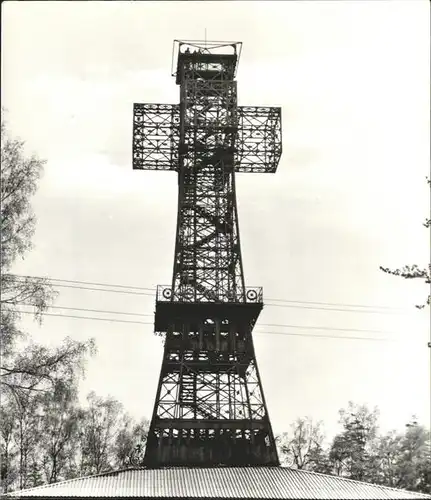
210	408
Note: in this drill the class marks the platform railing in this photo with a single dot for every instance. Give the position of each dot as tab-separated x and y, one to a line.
248	295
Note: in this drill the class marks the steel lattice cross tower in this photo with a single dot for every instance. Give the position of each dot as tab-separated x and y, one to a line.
209	409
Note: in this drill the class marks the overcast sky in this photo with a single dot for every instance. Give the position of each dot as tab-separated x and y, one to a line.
349	195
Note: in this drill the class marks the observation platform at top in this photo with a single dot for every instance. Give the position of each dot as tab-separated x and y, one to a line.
213	58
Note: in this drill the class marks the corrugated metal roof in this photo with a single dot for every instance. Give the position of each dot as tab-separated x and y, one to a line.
223	482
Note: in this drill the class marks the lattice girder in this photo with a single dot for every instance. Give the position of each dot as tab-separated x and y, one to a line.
258	145
254	136
155	136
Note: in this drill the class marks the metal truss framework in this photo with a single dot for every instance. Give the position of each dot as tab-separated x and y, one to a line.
156	138
209	408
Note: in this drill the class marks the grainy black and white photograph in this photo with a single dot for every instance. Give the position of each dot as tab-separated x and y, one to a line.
215	247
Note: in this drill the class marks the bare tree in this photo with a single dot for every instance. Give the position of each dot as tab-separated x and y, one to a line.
99	427
60	425
26	432
303	447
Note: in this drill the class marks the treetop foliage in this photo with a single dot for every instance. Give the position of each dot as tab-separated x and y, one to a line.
360	452
20	176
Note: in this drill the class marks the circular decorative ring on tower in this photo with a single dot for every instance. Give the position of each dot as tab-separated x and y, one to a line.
167	293
251	295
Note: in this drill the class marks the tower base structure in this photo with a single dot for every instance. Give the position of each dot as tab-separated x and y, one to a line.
210	409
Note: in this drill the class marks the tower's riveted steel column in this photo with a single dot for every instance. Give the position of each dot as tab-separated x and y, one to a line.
209	408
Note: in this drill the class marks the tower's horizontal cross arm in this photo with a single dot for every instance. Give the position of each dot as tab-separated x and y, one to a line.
156	137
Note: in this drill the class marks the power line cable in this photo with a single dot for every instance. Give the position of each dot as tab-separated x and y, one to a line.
335	329
153	289
95	310
260	333
335	304
332	309
281	325
92	318
266	304
104	290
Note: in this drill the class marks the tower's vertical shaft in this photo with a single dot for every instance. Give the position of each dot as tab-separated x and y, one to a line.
207	265
209	408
